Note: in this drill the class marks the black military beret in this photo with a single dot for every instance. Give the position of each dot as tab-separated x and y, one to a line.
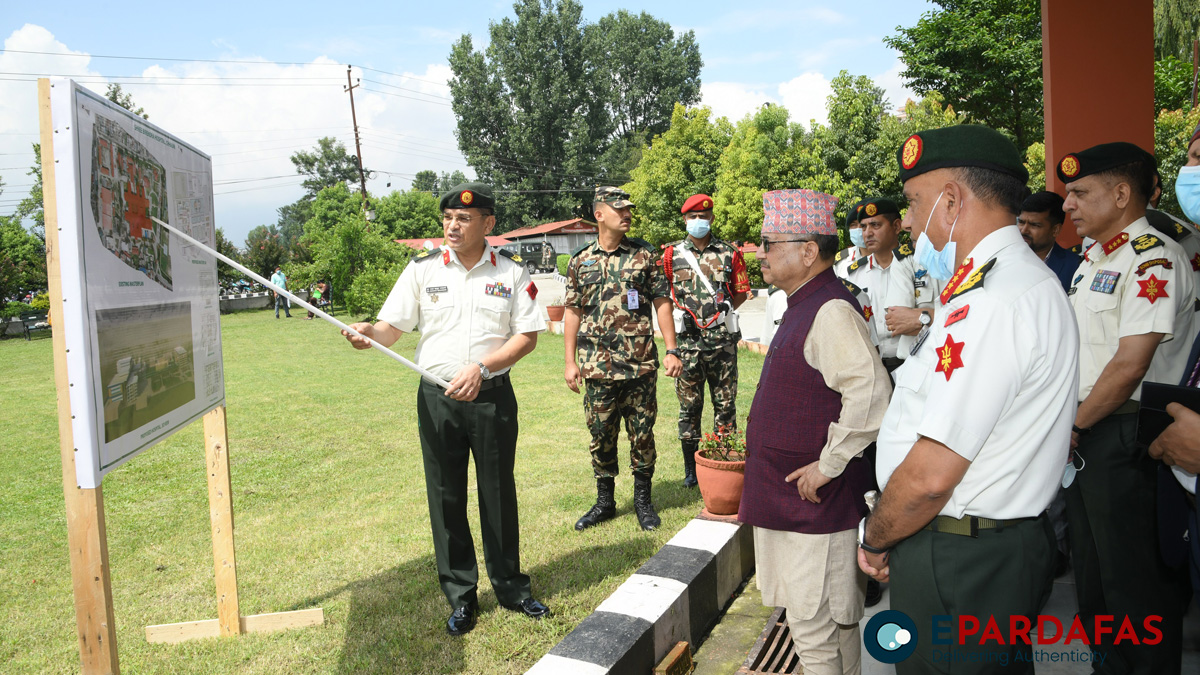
854	213
959	145
1101	158
877	206
468	196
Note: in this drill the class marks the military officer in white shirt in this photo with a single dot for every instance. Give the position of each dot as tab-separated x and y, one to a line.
873	273
477	312
1133	296
858	247
973	445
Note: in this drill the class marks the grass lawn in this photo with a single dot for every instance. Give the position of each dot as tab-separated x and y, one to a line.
329	505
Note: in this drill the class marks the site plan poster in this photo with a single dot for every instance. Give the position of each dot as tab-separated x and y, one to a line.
141	308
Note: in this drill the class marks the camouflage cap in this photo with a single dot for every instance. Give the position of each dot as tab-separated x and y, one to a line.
613	196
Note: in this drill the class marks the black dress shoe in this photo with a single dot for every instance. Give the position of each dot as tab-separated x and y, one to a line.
874	593
463	619
530	608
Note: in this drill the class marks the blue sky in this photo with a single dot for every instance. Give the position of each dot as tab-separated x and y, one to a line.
753	52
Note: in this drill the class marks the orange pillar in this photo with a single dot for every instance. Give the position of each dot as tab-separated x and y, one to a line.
1097	79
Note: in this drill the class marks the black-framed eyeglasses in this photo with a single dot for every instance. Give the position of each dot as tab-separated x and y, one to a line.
766	243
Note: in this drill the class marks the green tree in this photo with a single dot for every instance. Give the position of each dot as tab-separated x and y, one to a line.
1172	129
125	100
425	181
1176	24
342	253
333	205
1035	164
31	206
264	250
409	215
540	106
226	275
448	180
984	57
1172	84
326	165
22	260
681	162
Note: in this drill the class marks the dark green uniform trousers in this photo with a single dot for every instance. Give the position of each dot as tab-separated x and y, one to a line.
1001	573
1112	511
452	432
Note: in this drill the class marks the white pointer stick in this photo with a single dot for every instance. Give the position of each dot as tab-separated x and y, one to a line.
424	373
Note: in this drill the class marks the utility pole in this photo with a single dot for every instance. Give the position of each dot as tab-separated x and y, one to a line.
362	176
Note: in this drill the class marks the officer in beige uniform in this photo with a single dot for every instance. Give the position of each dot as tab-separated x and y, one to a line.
973	444
1133	297
477	312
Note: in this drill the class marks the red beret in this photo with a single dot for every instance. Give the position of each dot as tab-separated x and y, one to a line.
697	203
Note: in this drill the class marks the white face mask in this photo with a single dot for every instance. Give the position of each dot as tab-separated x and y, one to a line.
1187	191
940	264
698	227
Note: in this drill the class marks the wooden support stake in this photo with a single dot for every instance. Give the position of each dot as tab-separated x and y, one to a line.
86	536
220	512
171	633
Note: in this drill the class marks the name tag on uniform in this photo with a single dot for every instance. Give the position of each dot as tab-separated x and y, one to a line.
633	303
1105	281
919	283
498	290
436	289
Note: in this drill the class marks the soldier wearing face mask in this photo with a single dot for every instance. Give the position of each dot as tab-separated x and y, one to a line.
708	283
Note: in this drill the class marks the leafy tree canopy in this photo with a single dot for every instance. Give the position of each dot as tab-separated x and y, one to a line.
326	165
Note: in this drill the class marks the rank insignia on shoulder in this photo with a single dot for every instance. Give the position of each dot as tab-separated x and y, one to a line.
838	258
855	265
904	250
1153	289
1105	281
427	254
974	281
1157	262
850	286
1146	242
957	315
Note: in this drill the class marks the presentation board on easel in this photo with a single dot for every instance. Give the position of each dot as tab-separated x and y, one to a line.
136	338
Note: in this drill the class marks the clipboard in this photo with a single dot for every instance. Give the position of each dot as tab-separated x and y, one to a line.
1152	415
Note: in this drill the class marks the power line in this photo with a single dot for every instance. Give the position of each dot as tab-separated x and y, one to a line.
411	98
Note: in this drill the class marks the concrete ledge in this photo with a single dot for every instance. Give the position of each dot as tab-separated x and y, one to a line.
675	596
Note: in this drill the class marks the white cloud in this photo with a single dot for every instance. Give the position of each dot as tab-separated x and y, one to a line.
805	97
734	99
893	86
241	115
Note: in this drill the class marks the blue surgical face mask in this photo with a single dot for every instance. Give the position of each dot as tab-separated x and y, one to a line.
939	263
1187	191
856	237
698	227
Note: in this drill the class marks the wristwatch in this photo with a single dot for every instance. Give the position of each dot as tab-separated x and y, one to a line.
673	352
862	531
483	370
925	319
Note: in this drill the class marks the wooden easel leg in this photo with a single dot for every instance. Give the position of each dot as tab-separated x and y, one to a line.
220	511
86	536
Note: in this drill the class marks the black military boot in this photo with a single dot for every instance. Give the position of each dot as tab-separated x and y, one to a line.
646	515
689	464
605	507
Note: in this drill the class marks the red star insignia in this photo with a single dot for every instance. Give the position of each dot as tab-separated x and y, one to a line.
949	357
1196	263
867	312
1153	289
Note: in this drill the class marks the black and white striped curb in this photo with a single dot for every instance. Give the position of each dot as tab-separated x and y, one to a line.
676	596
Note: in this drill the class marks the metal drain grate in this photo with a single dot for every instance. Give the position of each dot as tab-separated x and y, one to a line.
773	651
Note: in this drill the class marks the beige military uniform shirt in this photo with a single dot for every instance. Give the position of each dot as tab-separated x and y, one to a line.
994	381
1136	283
463	315
844	259
911	286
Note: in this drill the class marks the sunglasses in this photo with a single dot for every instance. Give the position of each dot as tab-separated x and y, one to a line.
767	243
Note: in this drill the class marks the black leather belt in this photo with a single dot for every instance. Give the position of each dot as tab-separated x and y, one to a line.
494	382
969	526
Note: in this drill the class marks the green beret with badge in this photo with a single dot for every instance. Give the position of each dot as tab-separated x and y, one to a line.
468	196
877	206
1101	158
854	213
961	145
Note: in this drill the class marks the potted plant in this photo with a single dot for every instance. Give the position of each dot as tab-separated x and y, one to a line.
720	469
554	308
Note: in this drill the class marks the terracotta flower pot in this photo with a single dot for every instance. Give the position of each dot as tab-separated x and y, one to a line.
720	484
555	312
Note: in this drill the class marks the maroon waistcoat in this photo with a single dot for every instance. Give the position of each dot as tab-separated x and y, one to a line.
788	426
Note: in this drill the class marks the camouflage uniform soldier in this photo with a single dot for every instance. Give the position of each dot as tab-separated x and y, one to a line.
707	340
611	285
548	256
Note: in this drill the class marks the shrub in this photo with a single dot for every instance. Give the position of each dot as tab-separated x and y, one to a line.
40	302
563	259
15	309
370	289
754	271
